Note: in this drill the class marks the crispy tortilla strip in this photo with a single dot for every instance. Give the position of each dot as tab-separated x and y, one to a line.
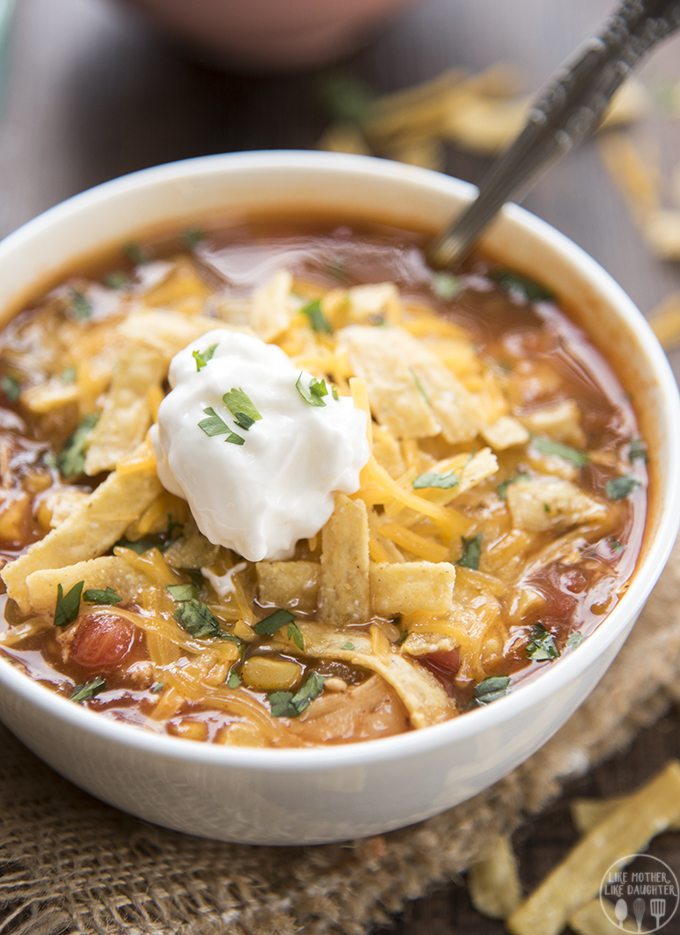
493	883
126	415
46	397
168	332
586	813
344	138
636	176
597	917
108	571
628	830
629	104
409	587
665	320
343	580
192	549
61	502
293	585
423	643
662	231
423	696
272	306
504	433
542	503
382	358
561	421
387	452
181	290
373	301
89	531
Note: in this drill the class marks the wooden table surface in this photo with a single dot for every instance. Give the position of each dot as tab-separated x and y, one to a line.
91	94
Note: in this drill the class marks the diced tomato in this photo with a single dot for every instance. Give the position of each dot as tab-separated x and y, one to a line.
102	640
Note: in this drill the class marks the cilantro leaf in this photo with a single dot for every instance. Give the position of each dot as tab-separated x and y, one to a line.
233	680
502	488
431	479
541	645
637	451
273	622
139	545
102	596
71	458
157	688
136	254
491	689
202	357
295	634
11	387
287	704
197	619
80	306
445	286
68	605
88	690
548	446
575	639
472	552
181	592
214	425
191	237
527	288
348	645
242	408
317	320
618	488
313	393
117	280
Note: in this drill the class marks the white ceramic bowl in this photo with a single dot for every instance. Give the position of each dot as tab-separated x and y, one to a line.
314	795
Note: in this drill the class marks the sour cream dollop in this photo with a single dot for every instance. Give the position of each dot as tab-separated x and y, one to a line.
257	498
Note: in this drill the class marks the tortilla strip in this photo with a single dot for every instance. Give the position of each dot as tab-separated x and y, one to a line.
192	549
271	306
560	420
493	883
541	503
586	813
423	696
504	433
343	579
90	530
628	830
373	300
409	587
182	289
108	571
126	414
422	643
294	585
168	332
382	357
46	397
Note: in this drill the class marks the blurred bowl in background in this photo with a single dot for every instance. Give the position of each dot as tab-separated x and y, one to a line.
271	34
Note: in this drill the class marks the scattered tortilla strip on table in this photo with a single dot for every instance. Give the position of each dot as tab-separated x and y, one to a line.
493	882
635	175
344	577
627	830
293	585
423	696
409	587
662	232
586	813
126	415
107	571
89	531
541	503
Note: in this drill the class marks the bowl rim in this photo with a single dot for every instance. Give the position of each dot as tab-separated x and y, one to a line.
417	742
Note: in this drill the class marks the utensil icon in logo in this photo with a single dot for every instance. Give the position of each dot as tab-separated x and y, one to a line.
621	911
658	909
639	912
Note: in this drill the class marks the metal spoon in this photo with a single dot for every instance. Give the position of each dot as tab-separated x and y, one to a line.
564	114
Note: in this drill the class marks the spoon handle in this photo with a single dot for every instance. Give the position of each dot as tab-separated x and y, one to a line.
563	115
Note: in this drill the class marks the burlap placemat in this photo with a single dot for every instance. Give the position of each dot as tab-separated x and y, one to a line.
69	864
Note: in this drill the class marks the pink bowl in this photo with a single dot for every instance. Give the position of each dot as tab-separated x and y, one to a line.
272	33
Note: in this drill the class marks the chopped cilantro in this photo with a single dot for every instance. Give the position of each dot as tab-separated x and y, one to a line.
294	633
191	237
574	639
502	488
71	458
181	592
214	425
541	645
233	680
139	545
432	479
526	287
88	690
472	551
117	280
11	387
102	596
80	307
242	408
135	254
317	320
548	446
618	488
420	387
615	544
445	286
273	622
68	375
637	451
202	357
347	645
287	704
491	689
68	605
313	393
197	619
157	687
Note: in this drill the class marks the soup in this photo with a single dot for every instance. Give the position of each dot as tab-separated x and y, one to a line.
284	485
